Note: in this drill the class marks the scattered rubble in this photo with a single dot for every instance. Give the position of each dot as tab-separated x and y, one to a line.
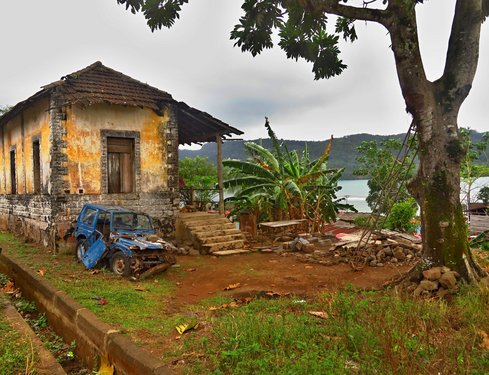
377	250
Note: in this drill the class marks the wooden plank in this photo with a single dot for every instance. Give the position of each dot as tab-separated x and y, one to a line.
281	224
114	173
479	223
229	252
127	173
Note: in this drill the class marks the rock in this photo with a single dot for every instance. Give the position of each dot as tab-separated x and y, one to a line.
283	239
442	292
380	264
182	251
425	285
429	285
373	263
326	243
308	248
388	251
193	252
399	253
432	273
444	269
409	256
298	243
394	260
449	279
380	255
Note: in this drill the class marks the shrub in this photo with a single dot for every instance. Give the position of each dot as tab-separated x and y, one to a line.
402	216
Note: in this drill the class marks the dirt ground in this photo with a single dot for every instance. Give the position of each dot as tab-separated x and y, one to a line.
207	276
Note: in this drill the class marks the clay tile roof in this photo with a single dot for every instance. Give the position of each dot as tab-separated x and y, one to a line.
99	84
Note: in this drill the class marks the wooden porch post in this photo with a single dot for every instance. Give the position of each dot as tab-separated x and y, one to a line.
219	174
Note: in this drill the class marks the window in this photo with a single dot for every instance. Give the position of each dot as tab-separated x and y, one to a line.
13	179
36	162
120	165
89	216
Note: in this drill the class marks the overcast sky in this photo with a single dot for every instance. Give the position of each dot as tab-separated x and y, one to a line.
196	62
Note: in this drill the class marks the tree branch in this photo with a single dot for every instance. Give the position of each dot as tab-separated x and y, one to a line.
334	7
463	51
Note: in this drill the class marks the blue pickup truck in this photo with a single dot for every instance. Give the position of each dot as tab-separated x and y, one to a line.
123	238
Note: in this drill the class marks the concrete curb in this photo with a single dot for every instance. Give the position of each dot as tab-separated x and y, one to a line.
72	321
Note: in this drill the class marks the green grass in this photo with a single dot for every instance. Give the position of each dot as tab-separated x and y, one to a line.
365	333
16	353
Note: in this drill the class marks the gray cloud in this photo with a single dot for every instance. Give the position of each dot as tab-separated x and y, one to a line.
195	61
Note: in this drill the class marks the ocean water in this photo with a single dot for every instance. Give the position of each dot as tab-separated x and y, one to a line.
355	192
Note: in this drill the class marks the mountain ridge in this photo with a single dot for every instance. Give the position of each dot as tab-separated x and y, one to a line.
342	154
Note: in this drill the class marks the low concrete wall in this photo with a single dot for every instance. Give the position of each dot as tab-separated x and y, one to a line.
72	321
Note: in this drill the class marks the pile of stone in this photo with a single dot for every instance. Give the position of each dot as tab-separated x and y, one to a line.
437	281
386	247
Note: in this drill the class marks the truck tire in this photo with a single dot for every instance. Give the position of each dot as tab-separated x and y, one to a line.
120	264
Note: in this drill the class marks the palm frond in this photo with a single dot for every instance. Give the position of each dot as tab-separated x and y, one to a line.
322	159
249	168
260	152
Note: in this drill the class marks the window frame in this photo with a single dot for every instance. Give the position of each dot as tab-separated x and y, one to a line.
13	170
136	137
36	166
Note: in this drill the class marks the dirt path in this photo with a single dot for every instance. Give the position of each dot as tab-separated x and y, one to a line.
198	278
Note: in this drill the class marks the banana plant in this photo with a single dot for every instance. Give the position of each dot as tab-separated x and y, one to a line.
289	183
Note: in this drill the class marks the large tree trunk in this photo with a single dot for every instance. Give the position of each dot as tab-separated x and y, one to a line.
435	107
437	190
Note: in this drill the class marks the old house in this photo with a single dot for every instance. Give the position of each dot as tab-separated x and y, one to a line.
96	136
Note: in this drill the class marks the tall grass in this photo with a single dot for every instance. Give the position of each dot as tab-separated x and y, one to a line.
366	333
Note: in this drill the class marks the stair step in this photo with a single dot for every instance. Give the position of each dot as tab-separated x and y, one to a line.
191	216
212	228
220	239
228	245
199	223
216	232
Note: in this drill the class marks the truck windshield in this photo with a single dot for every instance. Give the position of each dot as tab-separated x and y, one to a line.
131	221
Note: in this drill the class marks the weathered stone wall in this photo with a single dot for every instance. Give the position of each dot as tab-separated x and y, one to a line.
28	215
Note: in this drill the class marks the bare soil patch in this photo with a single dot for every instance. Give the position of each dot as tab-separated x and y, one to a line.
203	277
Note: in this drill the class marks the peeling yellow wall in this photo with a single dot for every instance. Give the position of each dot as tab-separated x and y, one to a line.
84	147
35	121
36	125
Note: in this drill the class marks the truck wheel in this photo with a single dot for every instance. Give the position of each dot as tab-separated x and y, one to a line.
81	248
120	264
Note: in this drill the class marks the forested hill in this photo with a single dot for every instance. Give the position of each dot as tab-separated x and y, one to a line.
343	150
342	155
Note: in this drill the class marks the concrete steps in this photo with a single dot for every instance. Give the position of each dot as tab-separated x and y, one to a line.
208	232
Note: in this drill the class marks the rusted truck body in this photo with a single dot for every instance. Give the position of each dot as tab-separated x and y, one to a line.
124	239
